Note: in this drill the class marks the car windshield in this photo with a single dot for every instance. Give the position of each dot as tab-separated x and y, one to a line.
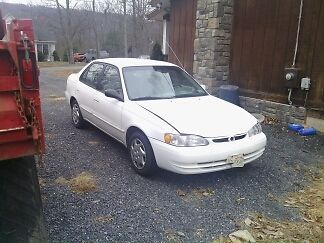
160	82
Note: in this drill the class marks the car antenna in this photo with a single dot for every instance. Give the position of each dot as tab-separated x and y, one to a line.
175	55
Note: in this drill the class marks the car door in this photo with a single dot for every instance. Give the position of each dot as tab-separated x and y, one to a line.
109	110
86	92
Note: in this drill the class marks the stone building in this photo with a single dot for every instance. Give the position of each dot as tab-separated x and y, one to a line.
253	44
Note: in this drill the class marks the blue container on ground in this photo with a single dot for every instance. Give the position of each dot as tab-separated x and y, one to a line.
307	131
295	127
229	93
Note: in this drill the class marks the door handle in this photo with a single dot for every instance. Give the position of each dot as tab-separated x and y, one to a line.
96	100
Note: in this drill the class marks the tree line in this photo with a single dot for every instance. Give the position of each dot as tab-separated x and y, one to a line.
118	26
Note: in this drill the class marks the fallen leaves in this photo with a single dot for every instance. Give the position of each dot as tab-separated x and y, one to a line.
248	222
174	236
195	194
309	201
82	183
41	182
271	120
263	228
181	193
241	236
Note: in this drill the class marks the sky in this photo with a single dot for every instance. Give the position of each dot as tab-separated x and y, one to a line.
23	1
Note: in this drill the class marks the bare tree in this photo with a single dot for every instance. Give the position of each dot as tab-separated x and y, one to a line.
125	28
140	25
95	27
68	29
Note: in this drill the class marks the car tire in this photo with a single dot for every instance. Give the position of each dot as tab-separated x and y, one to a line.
76	115
141	154
21	211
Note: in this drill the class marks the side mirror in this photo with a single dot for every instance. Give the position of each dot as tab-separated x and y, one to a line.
203	86
113	94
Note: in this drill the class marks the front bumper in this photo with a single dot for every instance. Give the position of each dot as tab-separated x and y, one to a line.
204	159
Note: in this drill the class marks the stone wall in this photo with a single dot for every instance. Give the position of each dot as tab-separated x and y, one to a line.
212	42
283	112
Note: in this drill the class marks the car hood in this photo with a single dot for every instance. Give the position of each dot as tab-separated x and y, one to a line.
205	116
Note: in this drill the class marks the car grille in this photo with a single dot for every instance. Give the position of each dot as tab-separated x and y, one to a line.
229	139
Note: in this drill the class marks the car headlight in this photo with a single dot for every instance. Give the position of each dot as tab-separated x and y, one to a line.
184	140
256	129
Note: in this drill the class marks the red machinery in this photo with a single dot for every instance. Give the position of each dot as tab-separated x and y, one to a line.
21	127
21	135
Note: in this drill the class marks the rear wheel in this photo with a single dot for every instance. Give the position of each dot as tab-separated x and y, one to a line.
21	214
77	118
141	154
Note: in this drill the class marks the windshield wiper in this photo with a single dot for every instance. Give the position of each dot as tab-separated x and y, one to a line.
151	98
189	95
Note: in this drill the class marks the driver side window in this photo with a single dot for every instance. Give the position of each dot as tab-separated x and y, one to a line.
111	80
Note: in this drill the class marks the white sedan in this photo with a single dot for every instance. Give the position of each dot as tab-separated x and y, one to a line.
163	117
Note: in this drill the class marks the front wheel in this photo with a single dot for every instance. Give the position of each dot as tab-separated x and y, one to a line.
141	154
77	118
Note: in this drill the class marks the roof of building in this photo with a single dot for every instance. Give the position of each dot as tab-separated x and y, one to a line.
161	8
133	62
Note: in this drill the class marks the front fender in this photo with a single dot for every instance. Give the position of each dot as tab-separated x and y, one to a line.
151	125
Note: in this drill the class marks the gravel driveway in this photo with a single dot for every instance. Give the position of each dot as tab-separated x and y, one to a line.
167	206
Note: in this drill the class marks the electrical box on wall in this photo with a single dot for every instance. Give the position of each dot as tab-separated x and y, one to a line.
305	83
291	78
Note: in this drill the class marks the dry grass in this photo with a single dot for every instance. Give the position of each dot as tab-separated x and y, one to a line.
82	183
56	98
60	64
62	181
65	73
52	64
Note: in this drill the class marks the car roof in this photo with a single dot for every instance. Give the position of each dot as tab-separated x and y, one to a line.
133	62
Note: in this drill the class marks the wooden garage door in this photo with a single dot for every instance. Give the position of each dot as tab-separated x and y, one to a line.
182	33
264	37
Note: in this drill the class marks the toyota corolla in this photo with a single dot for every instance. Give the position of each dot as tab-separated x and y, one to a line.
163	116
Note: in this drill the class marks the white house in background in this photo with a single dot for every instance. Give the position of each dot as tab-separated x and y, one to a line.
47	48
8	18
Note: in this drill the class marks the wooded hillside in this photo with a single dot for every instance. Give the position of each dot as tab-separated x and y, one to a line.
101	24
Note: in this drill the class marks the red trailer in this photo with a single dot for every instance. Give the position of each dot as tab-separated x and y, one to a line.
21	135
